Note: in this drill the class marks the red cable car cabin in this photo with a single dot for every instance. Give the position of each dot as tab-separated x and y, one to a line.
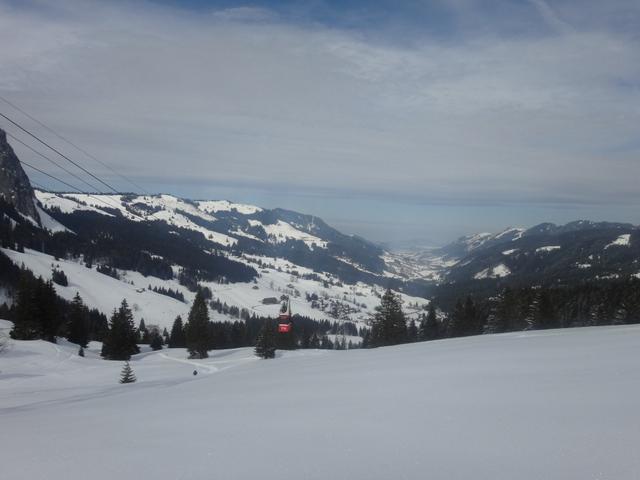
284	327
284	320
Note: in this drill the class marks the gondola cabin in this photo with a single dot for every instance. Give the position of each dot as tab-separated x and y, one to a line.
284	319
284	327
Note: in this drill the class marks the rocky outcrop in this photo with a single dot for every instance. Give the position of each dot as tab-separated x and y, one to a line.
14	183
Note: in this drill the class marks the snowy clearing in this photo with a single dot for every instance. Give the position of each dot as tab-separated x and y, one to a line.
499	271
537	405
548	248
621	241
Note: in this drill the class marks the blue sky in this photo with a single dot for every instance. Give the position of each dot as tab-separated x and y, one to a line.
417	120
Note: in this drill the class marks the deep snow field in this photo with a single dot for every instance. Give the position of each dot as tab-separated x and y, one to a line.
558	404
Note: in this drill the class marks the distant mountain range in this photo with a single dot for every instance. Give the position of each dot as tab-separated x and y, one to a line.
184	243
543	254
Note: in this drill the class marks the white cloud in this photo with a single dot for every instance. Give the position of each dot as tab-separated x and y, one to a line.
551	17
239	97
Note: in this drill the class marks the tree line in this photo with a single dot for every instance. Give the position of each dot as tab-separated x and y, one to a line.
512	309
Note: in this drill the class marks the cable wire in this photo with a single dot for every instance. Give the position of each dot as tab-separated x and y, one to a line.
63	182
54	162
64	139
58	152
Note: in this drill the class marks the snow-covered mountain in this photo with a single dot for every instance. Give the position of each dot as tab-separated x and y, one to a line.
114	247
229	226
562	254
155	251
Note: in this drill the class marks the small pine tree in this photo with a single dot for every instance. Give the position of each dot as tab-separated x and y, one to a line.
266	341
155	341
127	375
143	333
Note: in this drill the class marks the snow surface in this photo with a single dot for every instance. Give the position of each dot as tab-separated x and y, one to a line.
66	204
424	264
213	206
50	223
548	248
555	404
104	292
280	232
621	241
499	271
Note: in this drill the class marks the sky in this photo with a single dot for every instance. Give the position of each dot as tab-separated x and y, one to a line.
403	122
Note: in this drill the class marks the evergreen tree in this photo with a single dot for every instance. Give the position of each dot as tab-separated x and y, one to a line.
127	375
505	313
120	341
143	333
81	352
306	338
177	338
266	341
541	313
26	326
47	310
620	317
197	328
464	320
546	311
78	331
155	340
59	277
326	343
455	324
366	339
389	325
428	329
491	326
412	331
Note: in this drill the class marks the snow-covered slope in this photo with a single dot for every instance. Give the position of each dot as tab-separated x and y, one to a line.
104	292
197	216
230	226
527	406
354	302
532	256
